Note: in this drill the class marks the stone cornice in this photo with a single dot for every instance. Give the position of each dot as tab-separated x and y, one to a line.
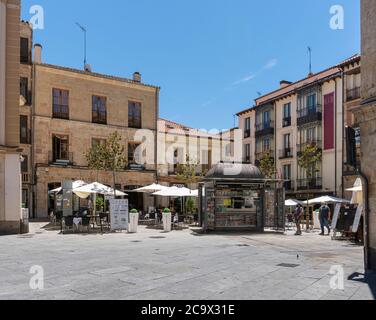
366	111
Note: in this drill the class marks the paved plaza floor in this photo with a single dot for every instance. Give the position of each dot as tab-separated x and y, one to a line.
181	265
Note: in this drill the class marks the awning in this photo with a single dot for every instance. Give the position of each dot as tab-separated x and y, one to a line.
76	184
177	192
96	188
327	199
292	203
151	189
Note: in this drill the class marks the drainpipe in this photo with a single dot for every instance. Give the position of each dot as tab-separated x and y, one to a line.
365	184
335	138
343	131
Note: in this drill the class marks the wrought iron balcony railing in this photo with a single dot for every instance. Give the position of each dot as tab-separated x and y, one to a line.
286	153
310	114
353	94
60	158
265	128
309	184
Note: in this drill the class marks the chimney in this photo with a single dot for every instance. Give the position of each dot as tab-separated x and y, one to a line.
284	83
137	77
37	53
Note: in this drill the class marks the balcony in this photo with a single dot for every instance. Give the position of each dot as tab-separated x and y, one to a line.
353	94
26	177
301	147
286	122
289	185
264	129
60	158
309	184
286	153
308	115
247	133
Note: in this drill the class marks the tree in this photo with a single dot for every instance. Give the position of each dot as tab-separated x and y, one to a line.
95	159
267	166
109	156
187	171
309	159
113	155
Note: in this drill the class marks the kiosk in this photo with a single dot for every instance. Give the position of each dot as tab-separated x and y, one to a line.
238	197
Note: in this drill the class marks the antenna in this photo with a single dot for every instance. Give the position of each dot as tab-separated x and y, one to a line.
310	60
84	31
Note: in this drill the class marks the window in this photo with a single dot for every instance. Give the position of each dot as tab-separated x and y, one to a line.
24	164
95	142
99	111
266	145
286	141
247	153
311	102
287	172
247	128
134	115
133	156
60	148
24	88
287	115
24	54
266	119
60	104
24	132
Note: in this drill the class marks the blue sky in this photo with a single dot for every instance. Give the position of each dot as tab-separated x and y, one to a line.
210	57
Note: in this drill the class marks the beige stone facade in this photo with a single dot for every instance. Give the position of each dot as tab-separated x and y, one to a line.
10	176
366	118
64	128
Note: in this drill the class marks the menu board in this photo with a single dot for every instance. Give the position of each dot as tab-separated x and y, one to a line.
119	214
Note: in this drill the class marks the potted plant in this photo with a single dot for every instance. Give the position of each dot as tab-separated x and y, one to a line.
133	221
166	217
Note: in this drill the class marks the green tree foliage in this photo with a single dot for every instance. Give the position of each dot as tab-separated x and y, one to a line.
267	166
309	159
187	171
109	156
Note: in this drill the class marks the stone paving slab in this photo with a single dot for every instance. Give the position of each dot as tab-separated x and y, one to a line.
180	265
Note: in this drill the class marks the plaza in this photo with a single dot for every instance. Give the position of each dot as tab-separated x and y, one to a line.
152	265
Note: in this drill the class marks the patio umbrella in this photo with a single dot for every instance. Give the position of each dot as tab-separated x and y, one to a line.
327	199
151	189
96	188
357	190
76	184
177	193
292	203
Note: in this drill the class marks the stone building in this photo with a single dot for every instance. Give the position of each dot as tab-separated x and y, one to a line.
10	169
282	122
74	109
365	116
25	102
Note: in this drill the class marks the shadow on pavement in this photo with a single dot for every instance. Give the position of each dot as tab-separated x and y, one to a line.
369	278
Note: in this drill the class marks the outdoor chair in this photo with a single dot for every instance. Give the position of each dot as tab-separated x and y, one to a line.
86	223
68	222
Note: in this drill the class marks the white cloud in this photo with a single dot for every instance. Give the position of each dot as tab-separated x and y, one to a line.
271	64
245	79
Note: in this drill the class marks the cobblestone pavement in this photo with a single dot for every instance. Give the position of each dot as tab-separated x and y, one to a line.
180	265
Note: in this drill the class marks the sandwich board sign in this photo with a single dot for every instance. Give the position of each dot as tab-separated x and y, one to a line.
119	214
336	216
358	215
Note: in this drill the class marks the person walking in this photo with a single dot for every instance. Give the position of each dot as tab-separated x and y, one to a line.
324	215
298	218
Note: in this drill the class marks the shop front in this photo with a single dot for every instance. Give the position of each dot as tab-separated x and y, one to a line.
238	197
